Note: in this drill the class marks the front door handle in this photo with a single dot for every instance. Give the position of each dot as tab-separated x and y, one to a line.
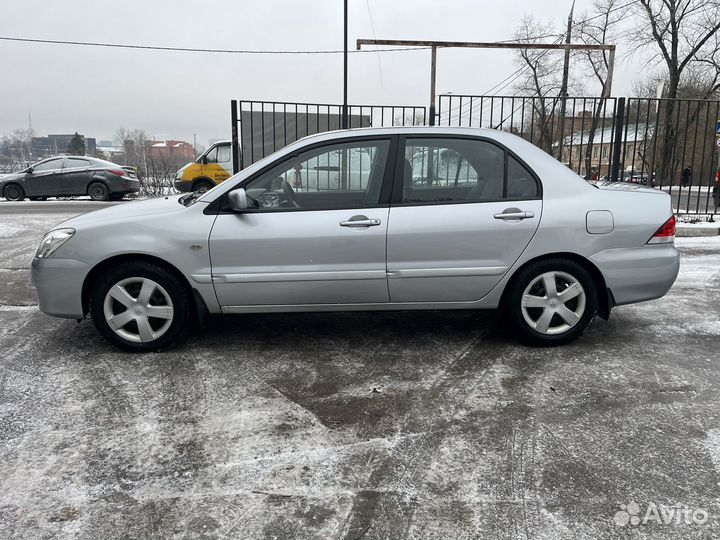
514	214
360	221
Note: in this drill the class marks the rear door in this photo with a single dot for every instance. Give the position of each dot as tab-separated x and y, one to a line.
44	180
75	175
315	233
463	211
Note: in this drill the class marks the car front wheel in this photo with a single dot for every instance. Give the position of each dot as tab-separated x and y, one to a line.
552	301
140	306
13	192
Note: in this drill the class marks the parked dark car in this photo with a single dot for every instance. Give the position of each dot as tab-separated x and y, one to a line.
68	176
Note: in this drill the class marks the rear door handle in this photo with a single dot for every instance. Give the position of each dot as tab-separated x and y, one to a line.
515	214
360	221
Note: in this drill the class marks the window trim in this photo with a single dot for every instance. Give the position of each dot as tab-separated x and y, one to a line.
397	181
48	160
87	164
385	182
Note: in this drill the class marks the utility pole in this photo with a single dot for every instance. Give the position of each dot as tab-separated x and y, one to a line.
195	144
564	86
345	65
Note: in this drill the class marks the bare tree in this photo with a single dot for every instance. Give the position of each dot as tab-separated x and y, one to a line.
681	34
539	79
600	27
16	148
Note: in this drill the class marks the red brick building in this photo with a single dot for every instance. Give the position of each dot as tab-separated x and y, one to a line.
171	150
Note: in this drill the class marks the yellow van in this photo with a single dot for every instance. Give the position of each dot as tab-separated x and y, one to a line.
209	169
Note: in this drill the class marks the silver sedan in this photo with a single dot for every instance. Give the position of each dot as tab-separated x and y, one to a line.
368	219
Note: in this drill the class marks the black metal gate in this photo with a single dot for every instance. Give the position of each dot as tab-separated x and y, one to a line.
267	126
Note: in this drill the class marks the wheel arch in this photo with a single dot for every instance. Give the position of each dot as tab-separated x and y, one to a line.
605	297
199	306
96	180
13	183
201	180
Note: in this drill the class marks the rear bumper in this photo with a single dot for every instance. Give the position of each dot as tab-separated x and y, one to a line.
638	274
125	186
59	286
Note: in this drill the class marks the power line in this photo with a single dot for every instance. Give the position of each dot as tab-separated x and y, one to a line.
192	49
600	15
221	51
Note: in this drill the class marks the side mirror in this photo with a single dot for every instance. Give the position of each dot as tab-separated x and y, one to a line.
29	170
203	160
238	200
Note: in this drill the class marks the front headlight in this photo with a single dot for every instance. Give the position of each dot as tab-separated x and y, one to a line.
53	240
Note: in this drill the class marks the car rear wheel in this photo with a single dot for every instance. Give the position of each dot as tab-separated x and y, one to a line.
13	192
140	307
98	191
552	302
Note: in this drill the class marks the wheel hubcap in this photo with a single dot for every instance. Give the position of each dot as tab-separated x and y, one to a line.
553	303
138	309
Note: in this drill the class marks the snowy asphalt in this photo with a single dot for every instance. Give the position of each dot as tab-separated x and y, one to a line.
360	425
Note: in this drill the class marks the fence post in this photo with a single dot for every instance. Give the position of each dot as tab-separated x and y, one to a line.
617	143
235	145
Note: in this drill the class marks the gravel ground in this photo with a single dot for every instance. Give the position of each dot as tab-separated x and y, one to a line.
361	425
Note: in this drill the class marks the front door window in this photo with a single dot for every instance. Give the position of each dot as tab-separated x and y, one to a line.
339	176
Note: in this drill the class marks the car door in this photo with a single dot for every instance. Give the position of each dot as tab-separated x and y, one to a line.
75	176
463	211
44	180
319	242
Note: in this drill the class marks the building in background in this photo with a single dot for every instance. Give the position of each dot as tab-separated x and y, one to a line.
170	150
58	144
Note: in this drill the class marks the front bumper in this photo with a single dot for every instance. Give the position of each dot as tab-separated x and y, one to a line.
182	186
59	286
638	274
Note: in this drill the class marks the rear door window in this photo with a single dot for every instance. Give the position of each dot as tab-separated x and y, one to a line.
76	163
455	170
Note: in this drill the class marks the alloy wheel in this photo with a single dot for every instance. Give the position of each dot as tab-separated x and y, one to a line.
138	309
553	303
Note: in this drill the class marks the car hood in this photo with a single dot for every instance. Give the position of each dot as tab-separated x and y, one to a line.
127	211
11	176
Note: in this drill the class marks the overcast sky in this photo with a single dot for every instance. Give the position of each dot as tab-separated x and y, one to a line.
174	94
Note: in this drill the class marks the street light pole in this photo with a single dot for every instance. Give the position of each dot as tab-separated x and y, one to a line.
345	65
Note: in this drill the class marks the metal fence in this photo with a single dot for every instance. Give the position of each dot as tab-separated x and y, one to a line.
669	144
267	126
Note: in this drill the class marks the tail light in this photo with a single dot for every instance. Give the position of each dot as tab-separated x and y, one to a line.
717	179
666	233
119	172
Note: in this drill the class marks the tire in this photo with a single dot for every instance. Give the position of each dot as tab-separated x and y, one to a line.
122	298
14	192
546	319
199	185
98	191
